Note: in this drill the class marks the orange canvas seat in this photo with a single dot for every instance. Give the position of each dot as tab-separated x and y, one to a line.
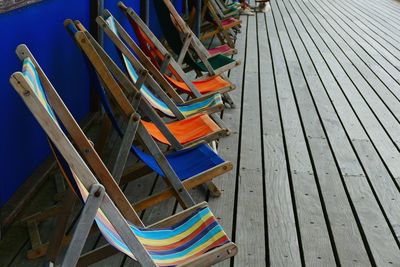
185	131
209	85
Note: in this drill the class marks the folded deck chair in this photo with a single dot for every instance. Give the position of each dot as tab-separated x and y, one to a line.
228	10
134	67
205	63
164	103
225	11
163	60
215	26
174	27
178	133
190	238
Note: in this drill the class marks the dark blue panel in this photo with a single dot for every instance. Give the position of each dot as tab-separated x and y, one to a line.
23	145
154	23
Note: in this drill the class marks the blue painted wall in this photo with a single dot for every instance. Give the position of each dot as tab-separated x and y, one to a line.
23	144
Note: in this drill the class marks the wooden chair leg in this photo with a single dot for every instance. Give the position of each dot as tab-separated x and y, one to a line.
57	240
214	190
32	222
84	225
227	99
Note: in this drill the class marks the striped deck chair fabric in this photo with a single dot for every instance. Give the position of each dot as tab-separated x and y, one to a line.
211	84
196	235
186	110
172	36
186	163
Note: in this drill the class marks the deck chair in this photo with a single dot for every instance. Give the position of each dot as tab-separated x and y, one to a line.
194	166
204	63
171	19
228	10
134	69
164	103
179	133
174	27
216	26
190	238
210	83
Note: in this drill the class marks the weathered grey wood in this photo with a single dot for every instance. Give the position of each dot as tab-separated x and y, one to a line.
83	225
353	129
250	206
224	206
378	134
381	14
378	190
122	152
283	243
370	46
348	242
312	226
363	19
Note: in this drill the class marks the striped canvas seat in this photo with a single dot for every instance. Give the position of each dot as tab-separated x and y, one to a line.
172	246
186	110
196	235
212	84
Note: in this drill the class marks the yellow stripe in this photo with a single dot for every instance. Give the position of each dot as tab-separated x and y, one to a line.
174	239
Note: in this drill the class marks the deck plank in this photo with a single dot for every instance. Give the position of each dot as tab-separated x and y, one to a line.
250	204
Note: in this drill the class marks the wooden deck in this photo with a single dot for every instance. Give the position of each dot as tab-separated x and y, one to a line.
315	142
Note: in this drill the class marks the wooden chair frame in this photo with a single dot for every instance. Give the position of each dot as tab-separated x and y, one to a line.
105	66
190	38
209	30
109	198
169	91
121	87
182	76
131	14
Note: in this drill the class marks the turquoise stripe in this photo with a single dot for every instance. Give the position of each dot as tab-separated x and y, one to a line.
168	233
211	101
154	101
113	238
29	69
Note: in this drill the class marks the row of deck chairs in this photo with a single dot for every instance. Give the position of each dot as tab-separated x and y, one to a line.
144	103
